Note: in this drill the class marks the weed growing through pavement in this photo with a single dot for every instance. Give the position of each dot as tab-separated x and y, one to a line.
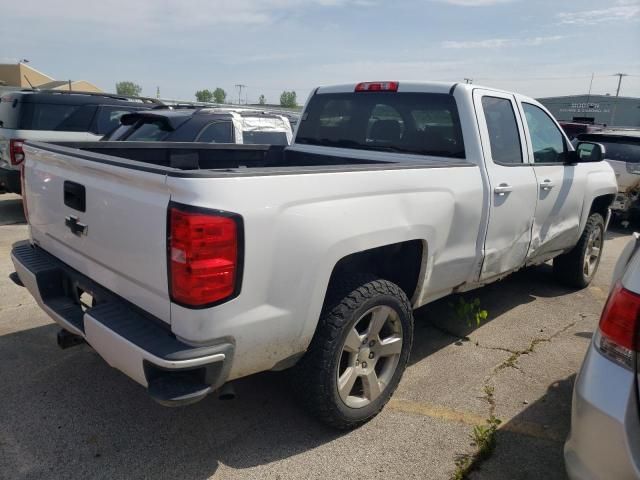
484	439
469	312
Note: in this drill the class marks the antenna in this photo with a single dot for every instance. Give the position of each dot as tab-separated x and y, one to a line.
30	84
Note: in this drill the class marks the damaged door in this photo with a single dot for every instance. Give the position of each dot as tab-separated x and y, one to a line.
512	182
561	186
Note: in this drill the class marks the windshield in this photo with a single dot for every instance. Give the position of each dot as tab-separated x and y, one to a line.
265	138
417	123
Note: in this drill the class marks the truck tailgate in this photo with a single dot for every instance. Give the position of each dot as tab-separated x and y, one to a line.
106	221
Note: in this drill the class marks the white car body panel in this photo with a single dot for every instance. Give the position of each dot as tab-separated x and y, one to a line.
124	248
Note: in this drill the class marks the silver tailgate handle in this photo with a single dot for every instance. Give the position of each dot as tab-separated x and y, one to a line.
503	188
546	184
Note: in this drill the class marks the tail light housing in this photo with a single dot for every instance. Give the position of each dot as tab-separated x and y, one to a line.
617	336
205	252
16	153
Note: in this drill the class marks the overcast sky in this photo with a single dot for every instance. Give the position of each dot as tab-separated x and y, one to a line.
536	47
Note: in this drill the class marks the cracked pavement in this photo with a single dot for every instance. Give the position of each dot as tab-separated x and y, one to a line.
66	414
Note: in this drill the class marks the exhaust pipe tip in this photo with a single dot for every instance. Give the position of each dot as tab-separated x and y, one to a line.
226	392
67	339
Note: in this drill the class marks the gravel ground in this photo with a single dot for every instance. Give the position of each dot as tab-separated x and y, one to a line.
66	414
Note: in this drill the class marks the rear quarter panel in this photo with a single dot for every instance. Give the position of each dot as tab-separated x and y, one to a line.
297	227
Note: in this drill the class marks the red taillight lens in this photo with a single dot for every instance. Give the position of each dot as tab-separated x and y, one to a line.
618	333
203	256
377	87
16	154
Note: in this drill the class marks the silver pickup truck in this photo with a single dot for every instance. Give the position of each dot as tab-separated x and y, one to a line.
187	266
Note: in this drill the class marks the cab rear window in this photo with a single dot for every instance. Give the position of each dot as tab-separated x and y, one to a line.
414	123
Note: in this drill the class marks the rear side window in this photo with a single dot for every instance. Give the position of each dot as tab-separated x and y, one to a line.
217	132
415	123
264	138
546	138
9	112
59	117
503	130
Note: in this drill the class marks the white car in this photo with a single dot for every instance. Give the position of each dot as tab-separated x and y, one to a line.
187	266
52	115
605	423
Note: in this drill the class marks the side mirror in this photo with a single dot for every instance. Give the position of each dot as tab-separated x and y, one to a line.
589	152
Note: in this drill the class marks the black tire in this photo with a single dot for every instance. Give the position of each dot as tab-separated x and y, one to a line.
315	377
569	267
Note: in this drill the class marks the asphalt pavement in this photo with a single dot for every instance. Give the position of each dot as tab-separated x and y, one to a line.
67	414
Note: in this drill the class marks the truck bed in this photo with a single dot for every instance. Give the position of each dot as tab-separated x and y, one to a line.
184	159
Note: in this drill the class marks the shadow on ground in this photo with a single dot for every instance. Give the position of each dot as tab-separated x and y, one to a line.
11	211
497	298
530	445
66	414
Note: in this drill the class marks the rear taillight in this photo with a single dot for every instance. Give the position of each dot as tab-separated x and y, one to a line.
618	330
377	87
16	153
205	248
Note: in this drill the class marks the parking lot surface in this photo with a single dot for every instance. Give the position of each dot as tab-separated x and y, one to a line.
67	414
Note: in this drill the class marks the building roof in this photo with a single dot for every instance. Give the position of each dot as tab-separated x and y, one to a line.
591	97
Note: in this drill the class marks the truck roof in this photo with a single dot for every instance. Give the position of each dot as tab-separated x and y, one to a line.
408	86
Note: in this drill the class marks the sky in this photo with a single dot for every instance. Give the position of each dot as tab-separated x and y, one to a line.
535	47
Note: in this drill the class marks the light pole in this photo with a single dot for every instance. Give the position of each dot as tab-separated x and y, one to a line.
615	102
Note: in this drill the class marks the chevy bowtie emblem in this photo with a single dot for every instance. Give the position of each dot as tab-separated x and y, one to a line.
75	226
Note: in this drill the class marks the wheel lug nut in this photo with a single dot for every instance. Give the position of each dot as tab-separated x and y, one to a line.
364	364
372	343
371	355
364	342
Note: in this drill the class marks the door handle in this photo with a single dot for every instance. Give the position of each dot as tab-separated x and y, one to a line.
546	184
503	188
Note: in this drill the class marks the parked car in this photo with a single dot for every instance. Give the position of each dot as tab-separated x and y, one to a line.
605	421
188	266
573	129
209	125
48	115
623	154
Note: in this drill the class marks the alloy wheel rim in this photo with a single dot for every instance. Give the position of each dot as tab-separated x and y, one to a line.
592	252
369	357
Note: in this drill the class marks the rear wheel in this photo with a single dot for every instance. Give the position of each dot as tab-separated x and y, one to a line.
577	267
359	352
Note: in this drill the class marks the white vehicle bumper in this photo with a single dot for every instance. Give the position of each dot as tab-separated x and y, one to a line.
129	340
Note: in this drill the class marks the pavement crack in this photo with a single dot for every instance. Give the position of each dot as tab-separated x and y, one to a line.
512	360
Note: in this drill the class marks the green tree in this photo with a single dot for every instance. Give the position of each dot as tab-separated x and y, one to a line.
288	99
128	88
219	95
204	95
262	100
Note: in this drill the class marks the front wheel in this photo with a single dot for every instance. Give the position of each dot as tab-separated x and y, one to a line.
577	267
359	352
